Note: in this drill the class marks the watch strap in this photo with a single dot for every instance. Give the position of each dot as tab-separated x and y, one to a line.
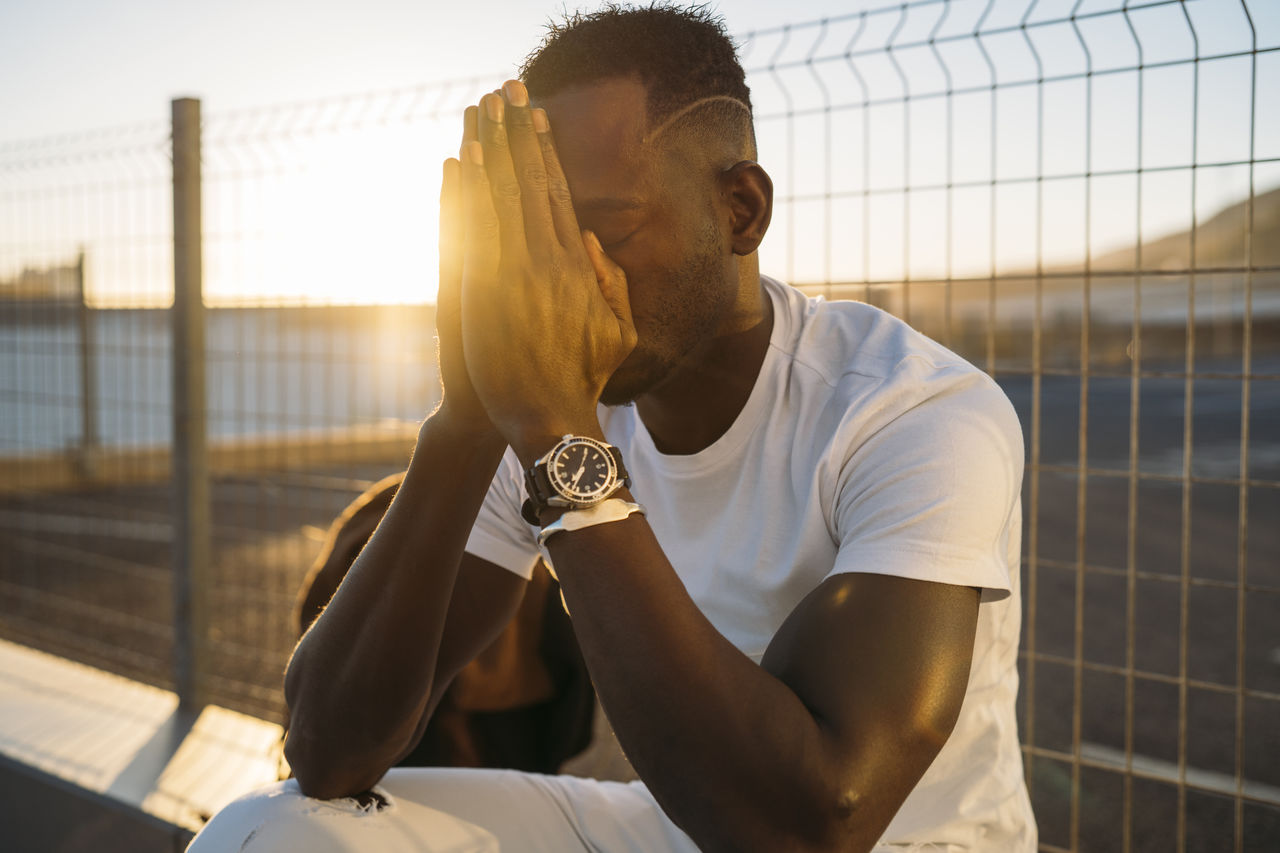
613	509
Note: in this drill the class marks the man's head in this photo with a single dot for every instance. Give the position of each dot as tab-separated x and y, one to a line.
683	57
652	121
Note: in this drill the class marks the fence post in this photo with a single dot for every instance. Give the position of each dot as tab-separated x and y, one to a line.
88	460
190	460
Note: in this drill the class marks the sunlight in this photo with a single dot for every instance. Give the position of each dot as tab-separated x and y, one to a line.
353	221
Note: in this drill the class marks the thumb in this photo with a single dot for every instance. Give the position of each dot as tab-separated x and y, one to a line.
612	281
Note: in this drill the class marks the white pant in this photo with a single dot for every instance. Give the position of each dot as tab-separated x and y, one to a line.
449	810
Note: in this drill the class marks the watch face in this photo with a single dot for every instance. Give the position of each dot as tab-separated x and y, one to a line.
582	471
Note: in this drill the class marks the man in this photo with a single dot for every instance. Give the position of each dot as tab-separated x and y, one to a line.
806	640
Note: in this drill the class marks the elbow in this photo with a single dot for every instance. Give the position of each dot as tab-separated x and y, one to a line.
308	769
860	806
840	821
329	786
329	750
844	805
329	761
322	775
851	824
842	827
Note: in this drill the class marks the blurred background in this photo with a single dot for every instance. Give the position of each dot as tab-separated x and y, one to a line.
1082	197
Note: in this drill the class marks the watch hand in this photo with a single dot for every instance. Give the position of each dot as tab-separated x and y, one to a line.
578	475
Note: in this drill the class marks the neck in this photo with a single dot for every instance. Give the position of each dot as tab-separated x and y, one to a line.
702	397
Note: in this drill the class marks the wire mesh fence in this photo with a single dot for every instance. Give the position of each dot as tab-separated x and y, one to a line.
1079	196
80	575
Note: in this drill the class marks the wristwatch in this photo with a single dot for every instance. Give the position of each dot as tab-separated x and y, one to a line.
578	472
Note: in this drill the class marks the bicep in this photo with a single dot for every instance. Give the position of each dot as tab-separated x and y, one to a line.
882	663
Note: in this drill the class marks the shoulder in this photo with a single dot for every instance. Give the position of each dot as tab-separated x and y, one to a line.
846	342
868	371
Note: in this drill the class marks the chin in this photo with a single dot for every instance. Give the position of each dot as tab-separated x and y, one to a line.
639	374
619	392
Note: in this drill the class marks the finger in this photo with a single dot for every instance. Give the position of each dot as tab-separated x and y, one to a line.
481	240
503	186
613	286
526	161
563	217
447	299
469	131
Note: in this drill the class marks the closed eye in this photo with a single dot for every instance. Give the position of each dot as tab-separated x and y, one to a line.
612	244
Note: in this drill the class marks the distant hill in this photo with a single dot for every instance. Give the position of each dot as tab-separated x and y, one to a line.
959	315
1219	241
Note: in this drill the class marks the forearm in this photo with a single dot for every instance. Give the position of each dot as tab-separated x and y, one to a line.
360	680
732	753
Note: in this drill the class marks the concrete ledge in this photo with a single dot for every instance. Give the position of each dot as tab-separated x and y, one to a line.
128	744
44	814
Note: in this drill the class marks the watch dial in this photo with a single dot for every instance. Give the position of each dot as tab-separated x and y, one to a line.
581	470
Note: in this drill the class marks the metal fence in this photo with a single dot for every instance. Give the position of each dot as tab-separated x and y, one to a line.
1078	196
1075	196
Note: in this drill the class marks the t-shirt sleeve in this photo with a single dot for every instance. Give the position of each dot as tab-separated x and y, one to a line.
934	493
500	534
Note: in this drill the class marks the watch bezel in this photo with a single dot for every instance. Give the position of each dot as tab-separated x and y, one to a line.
564	490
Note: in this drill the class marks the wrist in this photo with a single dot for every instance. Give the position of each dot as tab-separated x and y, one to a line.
444	424
534	440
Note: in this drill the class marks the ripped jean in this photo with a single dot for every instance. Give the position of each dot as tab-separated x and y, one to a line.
450	810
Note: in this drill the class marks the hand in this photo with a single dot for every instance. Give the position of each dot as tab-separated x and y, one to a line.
459	401
545	313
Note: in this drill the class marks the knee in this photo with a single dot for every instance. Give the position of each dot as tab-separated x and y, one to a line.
281	818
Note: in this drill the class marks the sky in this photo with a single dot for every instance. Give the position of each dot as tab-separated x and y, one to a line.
351	216
70	65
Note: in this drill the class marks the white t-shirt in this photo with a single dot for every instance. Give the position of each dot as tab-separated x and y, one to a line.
863	447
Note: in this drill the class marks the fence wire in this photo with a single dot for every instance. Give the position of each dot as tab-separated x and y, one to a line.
81	574
1079	196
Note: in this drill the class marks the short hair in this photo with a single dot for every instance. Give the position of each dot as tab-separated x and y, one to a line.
682	56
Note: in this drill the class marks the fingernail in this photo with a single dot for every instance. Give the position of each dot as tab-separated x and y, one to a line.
493	106
516	93
540	123
474	152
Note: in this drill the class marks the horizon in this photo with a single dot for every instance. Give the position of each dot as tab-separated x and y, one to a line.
1078	147
1057	276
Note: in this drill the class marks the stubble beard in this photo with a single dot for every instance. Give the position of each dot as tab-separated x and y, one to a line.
687	319
639	373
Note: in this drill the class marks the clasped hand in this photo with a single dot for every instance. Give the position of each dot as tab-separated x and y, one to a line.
533	317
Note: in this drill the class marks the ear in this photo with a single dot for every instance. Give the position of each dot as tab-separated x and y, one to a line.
748	190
